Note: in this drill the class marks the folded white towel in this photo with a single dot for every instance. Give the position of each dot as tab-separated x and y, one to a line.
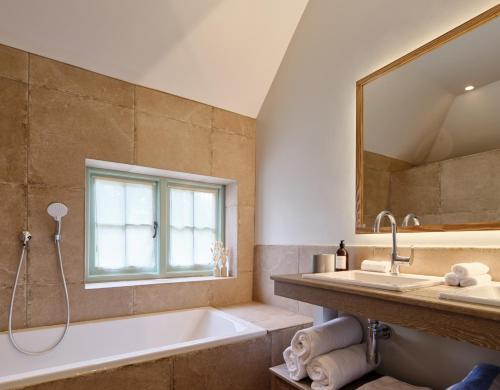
337	368
376	266
296	368
452	279
475	280
317	340
390	383
464	270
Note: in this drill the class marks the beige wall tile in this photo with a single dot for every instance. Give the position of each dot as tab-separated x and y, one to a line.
438	261
306	254
233	123
13	132
153	375
48	73
246	238
274	260
13	221
376	191
469	191
43	265
163	297
231	291
170	144
46	303
19	317
416	190
66	129
231	240
234	158
237	366
174	107
13	63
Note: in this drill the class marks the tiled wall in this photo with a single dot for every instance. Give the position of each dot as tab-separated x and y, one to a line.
281	259
52	117
436	193
433	191
378	170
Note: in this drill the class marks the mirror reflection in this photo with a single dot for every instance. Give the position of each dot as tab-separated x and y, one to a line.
431	133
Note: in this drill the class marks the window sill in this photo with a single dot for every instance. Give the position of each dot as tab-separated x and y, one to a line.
128	283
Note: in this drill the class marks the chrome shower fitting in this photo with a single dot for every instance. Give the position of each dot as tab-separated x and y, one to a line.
25	237
56	211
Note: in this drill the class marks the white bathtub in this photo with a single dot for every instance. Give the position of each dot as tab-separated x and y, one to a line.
109	343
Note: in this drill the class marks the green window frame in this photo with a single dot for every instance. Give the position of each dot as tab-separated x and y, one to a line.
162	214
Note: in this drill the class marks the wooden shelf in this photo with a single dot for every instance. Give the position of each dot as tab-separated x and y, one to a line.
281	372
419	309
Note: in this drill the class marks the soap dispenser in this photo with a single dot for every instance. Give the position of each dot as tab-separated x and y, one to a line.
342	258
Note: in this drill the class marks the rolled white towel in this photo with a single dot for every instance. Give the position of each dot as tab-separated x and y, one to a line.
464	270
317	340
390	383
452	279
475	280
296	368
376	266
337	368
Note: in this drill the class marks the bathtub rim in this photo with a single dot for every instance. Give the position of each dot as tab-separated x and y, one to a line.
71	370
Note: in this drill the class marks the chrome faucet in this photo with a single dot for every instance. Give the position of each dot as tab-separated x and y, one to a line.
396	260
410	218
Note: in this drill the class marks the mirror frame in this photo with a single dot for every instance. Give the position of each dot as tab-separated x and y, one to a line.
473	23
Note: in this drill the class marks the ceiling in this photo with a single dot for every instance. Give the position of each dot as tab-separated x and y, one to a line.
420	112
221	52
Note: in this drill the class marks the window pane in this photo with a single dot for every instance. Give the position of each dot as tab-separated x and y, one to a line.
110	247
140	207
110	202
181	247
181	208
140	247
204	209
203	240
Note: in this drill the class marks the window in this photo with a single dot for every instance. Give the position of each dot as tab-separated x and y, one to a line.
141	227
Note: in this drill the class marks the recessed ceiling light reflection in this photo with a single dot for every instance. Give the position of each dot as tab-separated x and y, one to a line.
469	88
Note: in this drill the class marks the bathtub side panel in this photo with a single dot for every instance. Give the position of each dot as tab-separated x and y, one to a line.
242	365
154	375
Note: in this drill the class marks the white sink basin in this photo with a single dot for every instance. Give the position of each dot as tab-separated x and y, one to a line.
488	294
401	282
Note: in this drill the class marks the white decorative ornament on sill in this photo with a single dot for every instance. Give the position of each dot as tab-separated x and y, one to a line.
220	259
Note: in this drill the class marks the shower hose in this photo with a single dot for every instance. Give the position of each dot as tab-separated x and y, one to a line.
11	309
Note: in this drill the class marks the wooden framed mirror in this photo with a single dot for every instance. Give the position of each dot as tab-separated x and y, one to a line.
428	133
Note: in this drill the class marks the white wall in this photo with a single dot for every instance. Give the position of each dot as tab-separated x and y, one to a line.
306	127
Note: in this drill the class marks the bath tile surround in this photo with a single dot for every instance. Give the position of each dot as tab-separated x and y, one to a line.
53	116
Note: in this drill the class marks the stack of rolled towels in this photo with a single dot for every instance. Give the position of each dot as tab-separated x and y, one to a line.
468	274
331	354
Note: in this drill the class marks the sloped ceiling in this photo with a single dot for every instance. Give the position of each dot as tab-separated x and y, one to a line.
420	112
221	52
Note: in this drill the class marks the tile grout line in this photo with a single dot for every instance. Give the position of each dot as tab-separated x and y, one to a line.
28	141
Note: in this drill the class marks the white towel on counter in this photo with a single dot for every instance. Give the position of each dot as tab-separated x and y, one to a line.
319	339
338	368
296	368
475	280
464	270
390	383
376	266
452	279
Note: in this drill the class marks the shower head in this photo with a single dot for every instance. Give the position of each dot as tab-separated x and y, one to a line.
57	211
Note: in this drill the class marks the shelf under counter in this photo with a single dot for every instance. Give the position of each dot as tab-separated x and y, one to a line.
421	309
